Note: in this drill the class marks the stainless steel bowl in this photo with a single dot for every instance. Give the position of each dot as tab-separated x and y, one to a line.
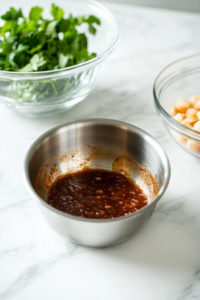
97	143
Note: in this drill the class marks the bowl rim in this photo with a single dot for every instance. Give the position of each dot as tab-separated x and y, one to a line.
161	152
80	66
182	129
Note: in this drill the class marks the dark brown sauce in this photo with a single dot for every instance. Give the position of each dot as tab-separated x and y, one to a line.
96	194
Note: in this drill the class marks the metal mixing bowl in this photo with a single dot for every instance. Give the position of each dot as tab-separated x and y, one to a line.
97	143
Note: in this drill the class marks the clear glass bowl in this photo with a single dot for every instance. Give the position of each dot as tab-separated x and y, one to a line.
67	86
180	79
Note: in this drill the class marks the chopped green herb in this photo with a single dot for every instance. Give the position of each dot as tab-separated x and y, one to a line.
33	43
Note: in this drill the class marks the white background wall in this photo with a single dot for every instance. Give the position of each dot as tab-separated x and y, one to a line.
185	5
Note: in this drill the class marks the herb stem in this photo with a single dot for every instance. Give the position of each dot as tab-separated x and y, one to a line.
52	83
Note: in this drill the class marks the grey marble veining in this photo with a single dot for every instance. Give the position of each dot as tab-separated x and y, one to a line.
160	262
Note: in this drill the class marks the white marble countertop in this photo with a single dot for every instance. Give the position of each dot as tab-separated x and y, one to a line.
162	261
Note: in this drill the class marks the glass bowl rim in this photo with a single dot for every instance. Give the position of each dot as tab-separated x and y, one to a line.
184	130
80	66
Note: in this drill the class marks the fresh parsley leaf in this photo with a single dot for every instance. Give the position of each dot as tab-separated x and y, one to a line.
32	44
57	12
92	19
51	27
9	26
35	13
12	14
63	59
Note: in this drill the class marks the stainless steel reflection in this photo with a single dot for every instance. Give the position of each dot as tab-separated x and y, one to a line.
139	145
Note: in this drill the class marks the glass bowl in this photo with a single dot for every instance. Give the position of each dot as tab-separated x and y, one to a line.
178	80
65	87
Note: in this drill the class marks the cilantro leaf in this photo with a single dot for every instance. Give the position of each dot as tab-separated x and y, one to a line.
57	12
35	13
12	14
92	19
63	59
33	43
18	56
51	27
9	26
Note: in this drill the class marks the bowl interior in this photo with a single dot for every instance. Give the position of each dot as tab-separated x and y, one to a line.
179	80
98	144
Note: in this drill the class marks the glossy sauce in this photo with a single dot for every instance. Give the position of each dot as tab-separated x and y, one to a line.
96	194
